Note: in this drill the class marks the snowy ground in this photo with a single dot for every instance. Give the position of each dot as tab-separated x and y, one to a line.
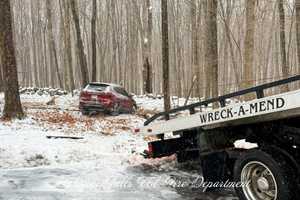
105	164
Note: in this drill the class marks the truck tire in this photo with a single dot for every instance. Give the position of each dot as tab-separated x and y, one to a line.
270	177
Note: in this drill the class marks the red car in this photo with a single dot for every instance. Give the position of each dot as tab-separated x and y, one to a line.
104	97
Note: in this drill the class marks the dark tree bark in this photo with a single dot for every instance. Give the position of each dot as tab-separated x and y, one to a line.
211	51
165	54
1	75
147	67
80	47
12	107
94	45
285	67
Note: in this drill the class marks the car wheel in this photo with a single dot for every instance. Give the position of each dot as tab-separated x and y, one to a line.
116	110
264	176
133	110
85	112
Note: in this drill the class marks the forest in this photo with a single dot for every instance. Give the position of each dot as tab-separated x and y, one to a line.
225	44
81	82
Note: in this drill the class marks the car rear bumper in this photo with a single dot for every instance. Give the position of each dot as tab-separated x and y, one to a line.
93	107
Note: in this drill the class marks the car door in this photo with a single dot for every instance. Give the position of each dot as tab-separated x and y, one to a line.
124	99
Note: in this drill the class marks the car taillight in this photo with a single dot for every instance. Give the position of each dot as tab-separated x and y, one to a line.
137	130
85	96
105	99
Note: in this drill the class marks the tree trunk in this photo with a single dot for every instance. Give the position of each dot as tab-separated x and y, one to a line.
285	67
80	47
147	67
165	54
297	5
68	44
12	107
211	53
34	51
52	42
248	70
1	75
94	45
195	44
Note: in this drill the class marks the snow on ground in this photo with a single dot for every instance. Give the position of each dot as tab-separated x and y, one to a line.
105	164
152	102
24	142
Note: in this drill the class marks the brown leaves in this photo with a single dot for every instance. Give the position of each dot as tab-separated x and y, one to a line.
146	113
5	120
58	118
105	125
115	125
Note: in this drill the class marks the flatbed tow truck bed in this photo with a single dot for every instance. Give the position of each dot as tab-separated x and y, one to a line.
285	105
270	171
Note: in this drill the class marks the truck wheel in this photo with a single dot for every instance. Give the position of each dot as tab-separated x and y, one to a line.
264	177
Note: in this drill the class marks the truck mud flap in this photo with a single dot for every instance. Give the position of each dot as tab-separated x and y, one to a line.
214	166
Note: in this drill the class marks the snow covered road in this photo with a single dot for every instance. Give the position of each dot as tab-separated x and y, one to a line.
104	165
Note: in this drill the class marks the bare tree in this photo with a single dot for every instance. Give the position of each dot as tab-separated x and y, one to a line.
52	41
34	46
1	75
68	43
128	44
165	54
94	44
80	47
285	67
12	107
211	52
248	69
147	67
195	41
297	5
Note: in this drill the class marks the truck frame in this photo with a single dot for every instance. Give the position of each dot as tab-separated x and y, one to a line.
271	169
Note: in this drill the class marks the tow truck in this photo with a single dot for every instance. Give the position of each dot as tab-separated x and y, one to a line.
272	123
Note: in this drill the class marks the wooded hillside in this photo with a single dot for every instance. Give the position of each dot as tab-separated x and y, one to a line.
226	44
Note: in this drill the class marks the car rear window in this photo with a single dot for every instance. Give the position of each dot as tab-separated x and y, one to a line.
97	87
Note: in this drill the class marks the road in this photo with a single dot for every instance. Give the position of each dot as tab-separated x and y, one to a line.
103	181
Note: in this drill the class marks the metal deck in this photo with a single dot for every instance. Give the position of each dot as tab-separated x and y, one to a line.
285	105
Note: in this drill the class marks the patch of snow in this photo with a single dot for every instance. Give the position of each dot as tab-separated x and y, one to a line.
243	144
